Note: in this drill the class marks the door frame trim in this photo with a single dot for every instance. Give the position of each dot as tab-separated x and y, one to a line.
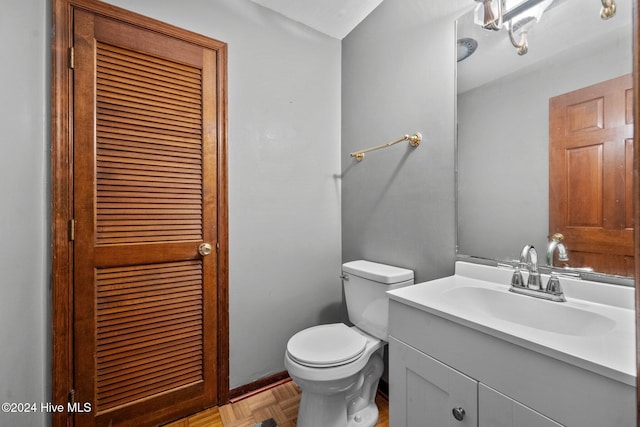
62	192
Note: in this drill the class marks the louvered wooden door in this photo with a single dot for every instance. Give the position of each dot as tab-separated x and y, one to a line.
591	175
145	141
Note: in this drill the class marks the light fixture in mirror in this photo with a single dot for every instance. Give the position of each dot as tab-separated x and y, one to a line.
518	16
503	157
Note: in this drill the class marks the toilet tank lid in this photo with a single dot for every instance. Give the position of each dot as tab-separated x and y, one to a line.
382	273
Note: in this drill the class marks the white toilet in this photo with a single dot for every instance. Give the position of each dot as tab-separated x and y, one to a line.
337	367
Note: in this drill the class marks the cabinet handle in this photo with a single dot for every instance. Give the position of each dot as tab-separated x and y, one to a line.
458	413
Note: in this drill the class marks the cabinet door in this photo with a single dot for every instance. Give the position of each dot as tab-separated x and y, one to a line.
498	410
424	392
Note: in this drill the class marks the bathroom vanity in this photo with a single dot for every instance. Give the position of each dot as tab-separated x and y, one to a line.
463	350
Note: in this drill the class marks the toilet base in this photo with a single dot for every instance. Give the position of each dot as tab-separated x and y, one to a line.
367	417
318	410
341	405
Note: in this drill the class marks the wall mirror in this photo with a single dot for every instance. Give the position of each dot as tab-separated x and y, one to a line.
511	187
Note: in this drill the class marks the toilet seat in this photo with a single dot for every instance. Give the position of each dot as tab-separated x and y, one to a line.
326	346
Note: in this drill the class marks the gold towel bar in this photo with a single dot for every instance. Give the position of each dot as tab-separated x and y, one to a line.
414	140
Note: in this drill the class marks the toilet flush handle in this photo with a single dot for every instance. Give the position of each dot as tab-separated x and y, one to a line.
344	276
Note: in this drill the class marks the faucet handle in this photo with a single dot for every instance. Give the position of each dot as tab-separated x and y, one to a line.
516	279
553	286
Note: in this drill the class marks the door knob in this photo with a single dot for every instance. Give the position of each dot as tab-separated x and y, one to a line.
204	249
458	413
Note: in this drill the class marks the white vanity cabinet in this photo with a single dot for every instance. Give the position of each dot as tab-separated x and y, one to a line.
499	410
437	365
427	393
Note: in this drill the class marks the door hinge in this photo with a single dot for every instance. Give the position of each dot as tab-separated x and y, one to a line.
72	396
71	57
72	229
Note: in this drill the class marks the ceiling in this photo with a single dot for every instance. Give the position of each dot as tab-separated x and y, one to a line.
337	18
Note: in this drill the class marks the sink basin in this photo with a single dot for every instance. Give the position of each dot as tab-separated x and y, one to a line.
594	329
524	310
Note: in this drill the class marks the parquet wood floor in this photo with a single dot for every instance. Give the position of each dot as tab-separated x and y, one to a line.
279	402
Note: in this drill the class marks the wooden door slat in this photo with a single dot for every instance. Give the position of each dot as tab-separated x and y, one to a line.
144	61
150	114
133	134
148	104
146	120
132	394
148	326
147	145
143	337
115	365
114	102
148	95
142	83
147	79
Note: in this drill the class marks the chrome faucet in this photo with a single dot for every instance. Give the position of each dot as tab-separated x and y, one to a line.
529	260
556	244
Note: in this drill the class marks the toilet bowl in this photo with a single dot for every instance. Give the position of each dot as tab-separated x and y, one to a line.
331	391
337	366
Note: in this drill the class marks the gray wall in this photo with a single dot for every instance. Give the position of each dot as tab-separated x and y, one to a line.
284	142
503	146
398	203
24	225
286	170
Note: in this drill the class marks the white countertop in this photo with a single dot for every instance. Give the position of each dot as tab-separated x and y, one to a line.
609	350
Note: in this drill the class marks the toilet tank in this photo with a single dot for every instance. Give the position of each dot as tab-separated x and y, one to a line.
365	286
